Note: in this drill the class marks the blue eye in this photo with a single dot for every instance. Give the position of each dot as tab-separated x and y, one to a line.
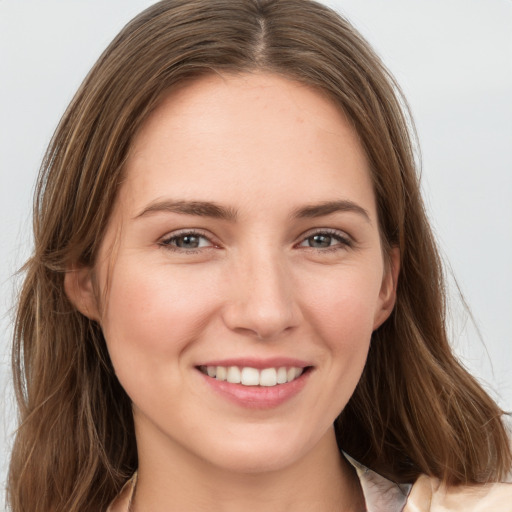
320	241
186	241
326	240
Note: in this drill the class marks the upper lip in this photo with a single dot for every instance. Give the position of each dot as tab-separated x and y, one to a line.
258	363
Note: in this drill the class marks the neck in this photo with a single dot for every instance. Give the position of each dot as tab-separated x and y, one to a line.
321	480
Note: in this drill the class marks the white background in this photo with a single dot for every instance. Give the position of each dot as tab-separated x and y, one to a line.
453	59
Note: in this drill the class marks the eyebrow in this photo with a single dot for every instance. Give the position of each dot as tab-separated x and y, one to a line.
329	207
199	208
216	211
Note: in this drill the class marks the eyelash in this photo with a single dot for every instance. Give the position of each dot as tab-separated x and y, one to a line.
167	243
343	240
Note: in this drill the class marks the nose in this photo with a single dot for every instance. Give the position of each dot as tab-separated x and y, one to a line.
263	297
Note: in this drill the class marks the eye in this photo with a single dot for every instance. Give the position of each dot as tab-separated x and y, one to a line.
186	241
326	240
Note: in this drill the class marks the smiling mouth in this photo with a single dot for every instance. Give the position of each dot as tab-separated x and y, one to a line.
248	376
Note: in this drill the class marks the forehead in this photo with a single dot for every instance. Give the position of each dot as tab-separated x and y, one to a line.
233	136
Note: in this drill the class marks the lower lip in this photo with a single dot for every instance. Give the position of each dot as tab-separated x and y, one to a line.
257	397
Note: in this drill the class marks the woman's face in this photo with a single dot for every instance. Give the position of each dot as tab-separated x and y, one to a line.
244	245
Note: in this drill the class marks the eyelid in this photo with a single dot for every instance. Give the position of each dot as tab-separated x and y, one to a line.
169	237
344	238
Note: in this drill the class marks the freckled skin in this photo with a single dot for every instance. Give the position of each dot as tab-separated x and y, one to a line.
263	146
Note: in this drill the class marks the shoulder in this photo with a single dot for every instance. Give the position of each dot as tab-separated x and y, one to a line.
429	495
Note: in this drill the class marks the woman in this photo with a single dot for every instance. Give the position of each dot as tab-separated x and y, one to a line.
235	299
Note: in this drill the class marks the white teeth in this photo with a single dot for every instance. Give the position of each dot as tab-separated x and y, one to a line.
248	376
233	375
281	375
268	377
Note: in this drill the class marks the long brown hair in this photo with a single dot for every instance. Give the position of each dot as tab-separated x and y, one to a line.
416	409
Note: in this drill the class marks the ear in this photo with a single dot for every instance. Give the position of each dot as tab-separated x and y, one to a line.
79	288
387	294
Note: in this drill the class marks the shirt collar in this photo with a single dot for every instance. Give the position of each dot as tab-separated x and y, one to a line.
380	494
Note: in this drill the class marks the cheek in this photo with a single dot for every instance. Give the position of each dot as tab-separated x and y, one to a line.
342	304
340	309
152	316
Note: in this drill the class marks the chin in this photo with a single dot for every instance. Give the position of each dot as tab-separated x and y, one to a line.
260	452
257	461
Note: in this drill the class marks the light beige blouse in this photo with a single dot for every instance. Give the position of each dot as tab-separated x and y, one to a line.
382	495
